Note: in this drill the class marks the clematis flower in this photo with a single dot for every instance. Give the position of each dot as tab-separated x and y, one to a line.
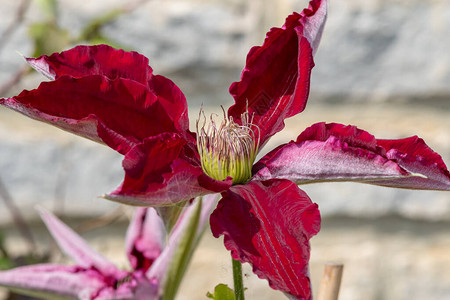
113	97
156	260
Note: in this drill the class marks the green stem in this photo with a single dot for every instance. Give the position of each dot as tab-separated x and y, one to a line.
237	278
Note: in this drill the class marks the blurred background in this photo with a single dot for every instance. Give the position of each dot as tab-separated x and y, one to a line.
382	65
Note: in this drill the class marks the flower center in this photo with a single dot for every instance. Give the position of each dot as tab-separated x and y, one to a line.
228	149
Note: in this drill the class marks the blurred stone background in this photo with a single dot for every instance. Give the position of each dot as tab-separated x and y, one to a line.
382	65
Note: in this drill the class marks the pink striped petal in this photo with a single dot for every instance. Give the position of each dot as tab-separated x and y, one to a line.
275	81
334	152
48	281
145	238
269	224
75	247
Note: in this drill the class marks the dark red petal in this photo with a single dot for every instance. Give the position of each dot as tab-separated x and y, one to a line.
164	170
83	61
104	60
413	155
172	99
121	113
334	152
269	224
275	81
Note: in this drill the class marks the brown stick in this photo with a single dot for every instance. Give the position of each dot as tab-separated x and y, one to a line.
331	281
17	217
19	17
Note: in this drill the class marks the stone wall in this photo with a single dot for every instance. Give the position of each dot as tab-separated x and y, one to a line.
371	50
374	53
382	65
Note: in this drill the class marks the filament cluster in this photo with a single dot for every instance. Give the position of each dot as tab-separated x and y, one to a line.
228	149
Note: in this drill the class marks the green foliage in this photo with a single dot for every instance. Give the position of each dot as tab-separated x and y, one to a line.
92	31
221	292
49	8
5	260
48	37
183	254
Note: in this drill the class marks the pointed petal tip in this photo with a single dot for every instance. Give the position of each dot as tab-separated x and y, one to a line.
21	54
75	246
316	16
40	209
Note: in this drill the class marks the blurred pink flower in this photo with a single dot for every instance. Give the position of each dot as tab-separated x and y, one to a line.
152	256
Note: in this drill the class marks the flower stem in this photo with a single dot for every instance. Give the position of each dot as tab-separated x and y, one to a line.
237	278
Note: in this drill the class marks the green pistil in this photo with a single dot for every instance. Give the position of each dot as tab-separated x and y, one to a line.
227	150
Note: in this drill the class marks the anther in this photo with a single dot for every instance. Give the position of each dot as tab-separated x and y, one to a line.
228	149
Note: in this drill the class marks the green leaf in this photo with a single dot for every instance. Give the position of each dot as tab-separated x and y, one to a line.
92	30
221	292
6	263
5	260
49	8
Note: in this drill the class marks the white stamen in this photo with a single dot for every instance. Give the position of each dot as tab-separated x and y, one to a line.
229	149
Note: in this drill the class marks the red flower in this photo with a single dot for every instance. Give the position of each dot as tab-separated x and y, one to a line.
113	97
